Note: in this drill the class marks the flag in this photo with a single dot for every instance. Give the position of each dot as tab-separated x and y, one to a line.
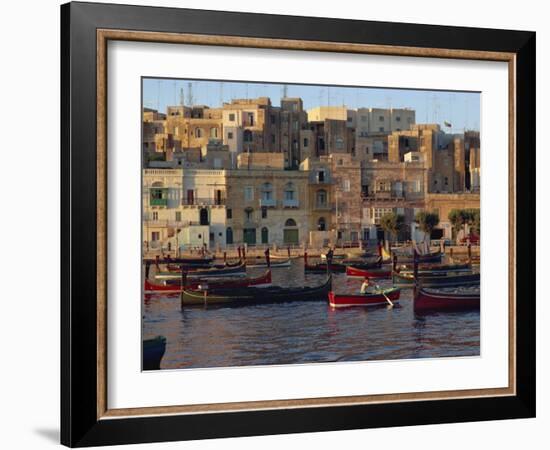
447	124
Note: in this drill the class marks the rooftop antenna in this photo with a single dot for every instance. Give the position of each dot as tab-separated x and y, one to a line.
285	90
190	99
158	95
182	97
221	93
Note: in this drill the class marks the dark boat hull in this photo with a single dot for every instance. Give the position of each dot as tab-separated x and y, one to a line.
439	280
322	268
443	301
429	258
205	273
254	296
153	351
374	299
174	288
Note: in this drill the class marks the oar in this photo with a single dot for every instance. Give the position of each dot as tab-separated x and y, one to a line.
385	296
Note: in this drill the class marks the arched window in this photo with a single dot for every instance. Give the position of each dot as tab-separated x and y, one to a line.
321	224
247	136
228	235
265	235
290	223
267	191
199	132
214	132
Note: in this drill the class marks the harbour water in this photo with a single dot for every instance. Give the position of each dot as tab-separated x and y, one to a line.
305	332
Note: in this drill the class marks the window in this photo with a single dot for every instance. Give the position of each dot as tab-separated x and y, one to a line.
321	197
383	186
178	216
155	236
250	119
295	144
214	133
230	135
381	118
248	193
248	214
321	224
321	176
155	215
273	139
398	119
247	136
296	125
350	119
363	118
340	162
232	117
290	223
446	181
264	212
346	185
306	142
229	236
273	120
377	213
289	191
228	213
381	129
199	132
339	142
265	235
267	191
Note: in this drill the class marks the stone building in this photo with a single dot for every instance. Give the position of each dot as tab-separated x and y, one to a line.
391	187
161	206
266	204
383	120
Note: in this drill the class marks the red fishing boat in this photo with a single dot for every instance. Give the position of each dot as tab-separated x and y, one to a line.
375	298
352	271
446	299
168	289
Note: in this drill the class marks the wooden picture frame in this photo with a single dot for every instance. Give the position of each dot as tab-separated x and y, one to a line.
85	29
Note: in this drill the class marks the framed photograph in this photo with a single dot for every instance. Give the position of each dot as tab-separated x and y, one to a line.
278	224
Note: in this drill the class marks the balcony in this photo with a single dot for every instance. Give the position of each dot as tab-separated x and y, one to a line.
158	202
317	178
268	202
203	201
322	206
291	203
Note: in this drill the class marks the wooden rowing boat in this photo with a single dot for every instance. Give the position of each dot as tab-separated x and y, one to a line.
375	298
175	288
322	266
254	296
445	300
428	258
239	270
436	280
272	264
357	272
434	268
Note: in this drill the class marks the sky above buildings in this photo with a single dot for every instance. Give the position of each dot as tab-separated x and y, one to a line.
460	109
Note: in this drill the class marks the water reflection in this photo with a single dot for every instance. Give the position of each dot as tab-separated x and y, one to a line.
291	333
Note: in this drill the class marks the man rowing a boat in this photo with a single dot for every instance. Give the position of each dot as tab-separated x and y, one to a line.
365	287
